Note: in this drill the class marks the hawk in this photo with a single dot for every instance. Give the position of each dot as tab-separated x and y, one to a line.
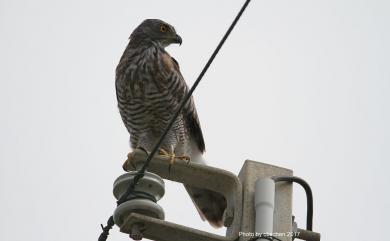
149	89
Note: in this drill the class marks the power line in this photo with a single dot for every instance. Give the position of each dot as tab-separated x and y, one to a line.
141	172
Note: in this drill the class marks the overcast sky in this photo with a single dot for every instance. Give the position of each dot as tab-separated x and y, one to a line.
299	84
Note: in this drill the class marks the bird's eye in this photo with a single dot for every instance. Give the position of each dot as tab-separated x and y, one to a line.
163	28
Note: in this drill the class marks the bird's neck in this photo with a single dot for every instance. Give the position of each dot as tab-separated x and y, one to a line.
137	43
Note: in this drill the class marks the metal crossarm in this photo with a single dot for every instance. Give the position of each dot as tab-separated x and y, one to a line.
196	175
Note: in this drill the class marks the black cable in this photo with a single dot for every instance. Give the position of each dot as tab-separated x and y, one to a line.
106	230
141	172
309	197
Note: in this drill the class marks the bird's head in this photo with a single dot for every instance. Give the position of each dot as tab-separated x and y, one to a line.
157	31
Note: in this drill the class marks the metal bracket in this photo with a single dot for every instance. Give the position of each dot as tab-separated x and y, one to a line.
196	175
249	173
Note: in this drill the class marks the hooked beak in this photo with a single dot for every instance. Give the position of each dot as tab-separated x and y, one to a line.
177	39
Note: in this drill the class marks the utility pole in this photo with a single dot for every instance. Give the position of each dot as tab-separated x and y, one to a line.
142	218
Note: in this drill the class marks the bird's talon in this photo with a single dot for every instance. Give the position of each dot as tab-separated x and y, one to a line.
128	160
163	152
184	158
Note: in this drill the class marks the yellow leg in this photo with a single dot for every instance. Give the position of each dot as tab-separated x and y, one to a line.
172	156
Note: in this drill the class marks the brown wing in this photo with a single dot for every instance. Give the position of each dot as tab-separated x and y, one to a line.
190	115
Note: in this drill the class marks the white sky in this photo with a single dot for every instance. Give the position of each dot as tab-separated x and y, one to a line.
300	84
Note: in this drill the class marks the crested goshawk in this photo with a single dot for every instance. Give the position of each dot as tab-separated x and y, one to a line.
150	88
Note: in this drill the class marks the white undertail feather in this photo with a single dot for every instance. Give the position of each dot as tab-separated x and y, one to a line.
196	155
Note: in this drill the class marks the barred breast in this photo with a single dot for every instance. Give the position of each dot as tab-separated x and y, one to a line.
149	89
148	92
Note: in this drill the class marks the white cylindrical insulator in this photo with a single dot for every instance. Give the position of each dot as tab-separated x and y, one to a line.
264	206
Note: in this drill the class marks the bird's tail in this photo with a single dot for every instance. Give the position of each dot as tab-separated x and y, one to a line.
210	205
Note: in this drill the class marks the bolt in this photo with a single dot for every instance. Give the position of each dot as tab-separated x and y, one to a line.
136	233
